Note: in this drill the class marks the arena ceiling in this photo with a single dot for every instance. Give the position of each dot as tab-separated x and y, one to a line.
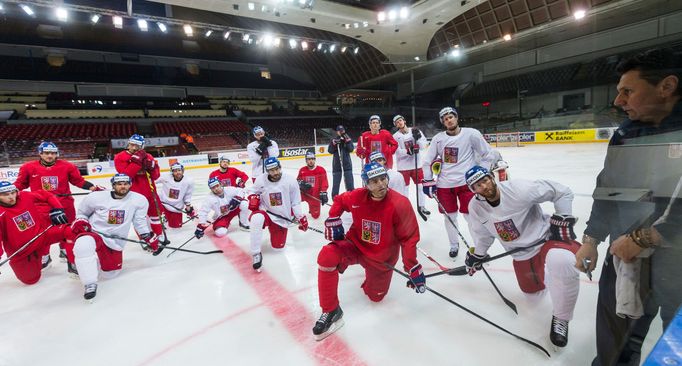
430	29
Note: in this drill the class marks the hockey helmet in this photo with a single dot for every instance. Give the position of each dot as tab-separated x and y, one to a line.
223	158
397	117
47	146
445	111
212	182
373	170
376	155
310	155
176	166
6	186
120	177
340	128
373	117
271	163
475	174
257	129
136	140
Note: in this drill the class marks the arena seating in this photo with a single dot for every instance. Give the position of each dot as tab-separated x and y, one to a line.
216	143
199	127
56	132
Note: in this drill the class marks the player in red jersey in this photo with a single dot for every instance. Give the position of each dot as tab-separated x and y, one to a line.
376	139
313	182
384	224
141	167
229	177
21	220
53	175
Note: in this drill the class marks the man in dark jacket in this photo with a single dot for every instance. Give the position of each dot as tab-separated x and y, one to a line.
637	203
341	146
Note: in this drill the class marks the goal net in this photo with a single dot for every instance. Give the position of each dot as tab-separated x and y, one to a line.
507	139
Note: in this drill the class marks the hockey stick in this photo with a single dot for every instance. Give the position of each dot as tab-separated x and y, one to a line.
293	221
143	243
416	184
459	271
180	247
26	245
316	199
158	212
472	313
72	194
442	268
506	301
181	212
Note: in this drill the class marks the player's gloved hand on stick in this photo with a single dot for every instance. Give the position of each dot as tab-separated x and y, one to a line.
234	204
189	210
266	140
303	223
417	279
361	151
254	202
139	157
80	226
561	227
429	187
416	134
240	183
304	186
199	232
500	168
58	217
262	148
333	229
324	198
473	261
152	241
149	165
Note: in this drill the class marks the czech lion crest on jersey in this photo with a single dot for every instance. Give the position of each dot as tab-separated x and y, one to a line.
310	180
226	182
173	193
49	183
116	217
24	221
507	230
371	231
275	199
224	209
450	155
375	146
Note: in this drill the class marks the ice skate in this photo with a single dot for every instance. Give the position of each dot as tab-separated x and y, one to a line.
257	261
424	211
47	262
453	252
328	324
62	255
243	227
71	270
558	332
90	292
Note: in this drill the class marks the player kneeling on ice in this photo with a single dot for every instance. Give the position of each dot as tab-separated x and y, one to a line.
384	224
25	230
395	179
176	195
274	197
226	203
111	214
313	182
510	212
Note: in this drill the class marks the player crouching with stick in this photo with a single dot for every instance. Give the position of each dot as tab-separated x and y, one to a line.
226	203
384	224
510	212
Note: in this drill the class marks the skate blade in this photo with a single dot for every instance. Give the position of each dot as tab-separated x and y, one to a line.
89	301
336	326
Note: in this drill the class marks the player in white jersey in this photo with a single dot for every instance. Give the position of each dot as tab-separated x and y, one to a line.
460	148
260	150
225	203
410	142
510	212
110	213
274	197
176	195
395	179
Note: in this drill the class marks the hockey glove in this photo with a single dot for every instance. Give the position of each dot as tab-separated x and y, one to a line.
149	165
58	217
473	261
303	223
324	198
240	183
561	227
361	152
199	232
96	188
500	169
139	157
254	202
262	148
336	141
429	187
266	140
234	204
189	210
436	166
152	241
409	147
80	226
333	229
417	279
304	186
416	134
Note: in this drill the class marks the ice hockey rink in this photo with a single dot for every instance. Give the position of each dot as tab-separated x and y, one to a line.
214	309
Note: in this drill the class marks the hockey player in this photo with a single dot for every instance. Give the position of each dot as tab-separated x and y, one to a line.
313	182
384	224
410	142
260	150
510	212
459	148
226	203
376	139
53	175
143	170
229	177
395	179
22	219
342	167
176	195
110	213
277	193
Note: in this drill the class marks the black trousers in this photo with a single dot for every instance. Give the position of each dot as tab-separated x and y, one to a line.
336	183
